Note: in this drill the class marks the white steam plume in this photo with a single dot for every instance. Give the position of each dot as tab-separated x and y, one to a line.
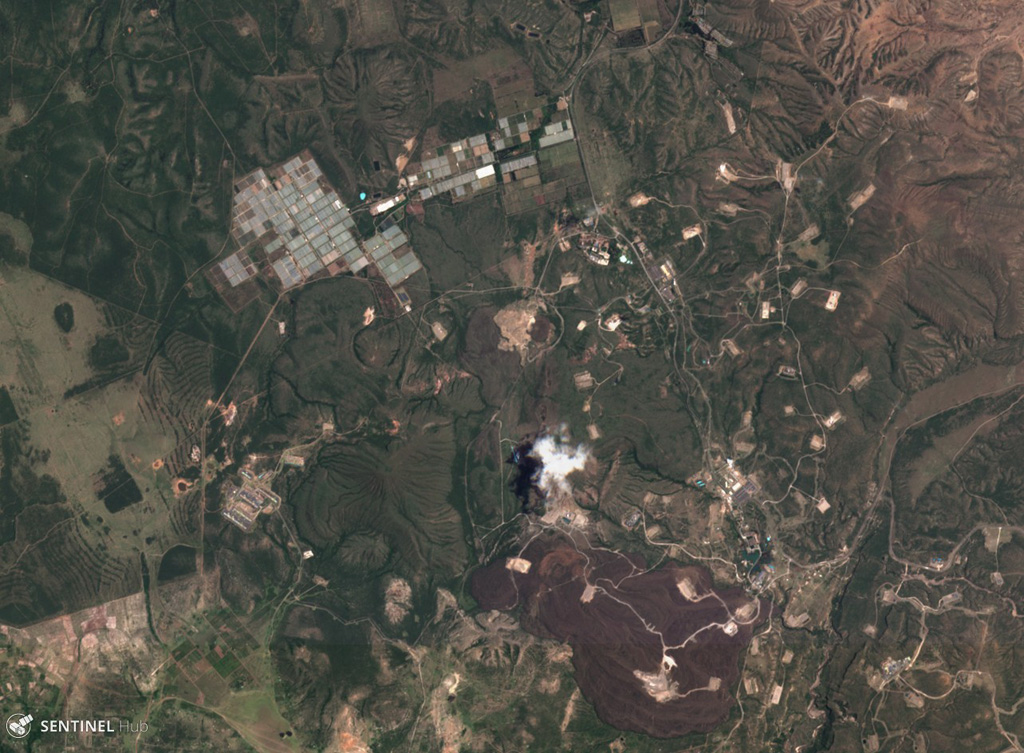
558	459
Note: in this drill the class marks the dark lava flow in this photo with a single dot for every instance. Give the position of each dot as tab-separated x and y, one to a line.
610	642
524	485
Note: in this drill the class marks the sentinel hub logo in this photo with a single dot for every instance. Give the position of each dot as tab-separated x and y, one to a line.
19	725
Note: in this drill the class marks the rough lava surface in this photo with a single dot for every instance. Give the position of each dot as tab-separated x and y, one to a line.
646	656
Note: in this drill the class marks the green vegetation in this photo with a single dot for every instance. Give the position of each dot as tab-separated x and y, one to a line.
398	492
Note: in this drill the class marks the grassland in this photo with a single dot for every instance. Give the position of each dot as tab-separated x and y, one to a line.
79	414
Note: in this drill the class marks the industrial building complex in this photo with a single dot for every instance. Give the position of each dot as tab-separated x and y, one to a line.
243	504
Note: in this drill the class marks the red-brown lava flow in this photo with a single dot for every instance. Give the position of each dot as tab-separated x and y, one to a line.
609	638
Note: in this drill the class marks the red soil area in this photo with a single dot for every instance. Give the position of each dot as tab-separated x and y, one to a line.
540	331
630	616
